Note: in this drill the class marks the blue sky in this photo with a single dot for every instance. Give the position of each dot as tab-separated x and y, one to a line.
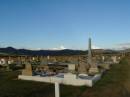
50	24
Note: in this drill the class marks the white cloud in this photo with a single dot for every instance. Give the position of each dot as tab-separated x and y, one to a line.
59	48
62	47
123	46
95	47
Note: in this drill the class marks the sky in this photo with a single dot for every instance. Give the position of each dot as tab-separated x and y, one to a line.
59	24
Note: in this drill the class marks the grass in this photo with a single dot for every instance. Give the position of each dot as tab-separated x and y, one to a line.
115	83
11	87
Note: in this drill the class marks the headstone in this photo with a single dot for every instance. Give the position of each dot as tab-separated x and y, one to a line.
103	58
83	67
114	59
48	57
33	58
71	68
28	70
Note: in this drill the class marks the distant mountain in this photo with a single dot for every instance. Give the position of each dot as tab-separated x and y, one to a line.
14	51
125	51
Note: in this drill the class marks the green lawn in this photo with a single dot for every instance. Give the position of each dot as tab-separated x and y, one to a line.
115	83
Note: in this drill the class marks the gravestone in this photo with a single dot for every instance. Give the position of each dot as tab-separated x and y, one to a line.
28	69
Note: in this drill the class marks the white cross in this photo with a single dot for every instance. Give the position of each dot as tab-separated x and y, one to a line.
57	89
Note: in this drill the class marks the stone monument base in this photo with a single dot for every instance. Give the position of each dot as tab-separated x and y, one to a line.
66	79
93	70
28	73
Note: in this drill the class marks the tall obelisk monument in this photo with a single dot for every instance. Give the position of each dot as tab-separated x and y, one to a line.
89	52
93	67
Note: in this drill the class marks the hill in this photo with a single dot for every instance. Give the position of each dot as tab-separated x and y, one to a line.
14	51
